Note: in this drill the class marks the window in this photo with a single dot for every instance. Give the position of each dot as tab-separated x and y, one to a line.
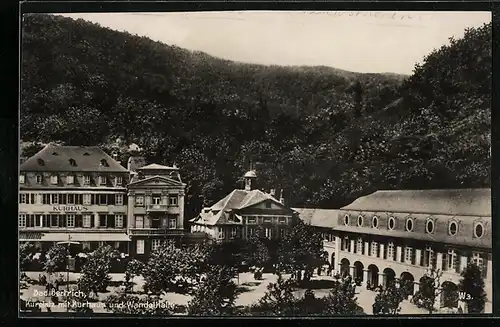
155	244
21	179
139	222
22	220
139	201
87	221
119	199
375	222
119	181
53	179
86	199
172	223
54	199
233	232
451	260
251	220
221	233
86	180
102	180
22	198
71	199
478	230
282	232
409	225
156	199
39	179
391	223
453	228
428	257
390	251
478	259
268	233
139	246
360	220
359	246
86	245
250	232
70	220
72	162
172	200
268	205
70	179
282	220
409	255
119	221
374	250
346	220
429	227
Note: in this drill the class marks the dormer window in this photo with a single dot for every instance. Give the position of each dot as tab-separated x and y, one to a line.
55	153
104	163
53	179
21	179
70	179
86	180
119	181
86	154
102	180
72	162
40	162
39	179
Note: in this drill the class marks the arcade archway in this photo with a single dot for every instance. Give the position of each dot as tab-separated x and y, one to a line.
407	284
449	295
344	267
373	276
358	271
389	277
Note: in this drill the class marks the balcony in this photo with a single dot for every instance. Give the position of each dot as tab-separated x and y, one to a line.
155	231
162	208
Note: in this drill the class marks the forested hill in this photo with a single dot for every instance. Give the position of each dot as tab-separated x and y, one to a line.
322	134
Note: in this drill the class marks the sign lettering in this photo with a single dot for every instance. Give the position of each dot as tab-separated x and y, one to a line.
70	208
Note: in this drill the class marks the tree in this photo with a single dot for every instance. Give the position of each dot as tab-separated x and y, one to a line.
94	276
55	259
388	300
429	290
26	252
472	284
171	268
301	249
279	299
256	252
134	268
342	298
215	294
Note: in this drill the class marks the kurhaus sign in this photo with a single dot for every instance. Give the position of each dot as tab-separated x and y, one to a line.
70	208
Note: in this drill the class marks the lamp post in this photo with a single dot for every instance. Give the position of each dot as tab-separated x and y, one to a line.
68	256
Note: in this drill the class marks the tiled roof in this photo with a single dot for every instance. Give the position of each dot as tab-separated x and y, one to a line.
58	158
157	167
220	213
464	202
327	218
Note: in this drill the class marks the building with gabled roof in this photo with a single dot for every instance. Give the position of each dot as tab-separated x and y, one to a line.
155	207
241	212
75	193
398	235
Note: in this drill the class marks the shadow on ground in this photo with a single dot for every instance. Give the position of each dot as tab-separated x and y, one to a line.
317	284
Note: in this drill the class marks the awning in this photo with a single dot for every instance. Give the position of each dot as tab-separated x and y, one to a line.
81	237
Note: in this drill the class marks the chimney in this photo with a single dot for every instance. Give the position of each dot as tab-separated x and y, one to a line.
282	199
115	157
272	192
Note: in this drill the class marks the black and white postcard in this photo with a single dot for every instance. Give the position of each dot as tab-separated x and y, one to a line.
258	163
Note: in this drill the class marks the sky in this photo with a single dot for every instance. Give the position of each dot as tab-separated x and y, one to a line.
367	42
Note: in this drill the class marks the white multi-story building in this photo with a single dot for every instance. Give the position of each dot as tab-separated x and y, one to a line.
73	193
399	235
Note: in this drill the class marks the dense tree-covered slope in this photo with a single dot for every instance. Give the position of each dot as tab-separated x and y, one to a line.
324	135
